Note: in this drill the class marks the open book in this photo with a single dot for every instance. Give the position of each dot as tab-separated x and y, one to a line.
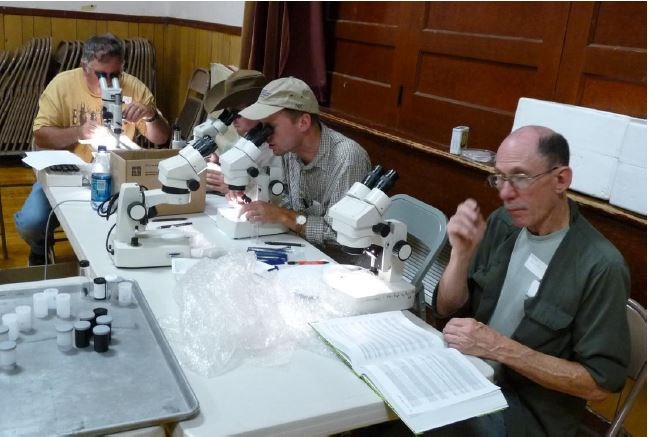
425	383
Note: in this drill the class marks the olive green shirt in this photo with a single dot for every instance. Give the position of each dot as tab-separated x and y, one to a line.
578	314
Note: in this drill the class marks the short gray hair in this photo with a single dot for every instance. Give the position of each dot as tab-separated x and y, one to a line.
102	47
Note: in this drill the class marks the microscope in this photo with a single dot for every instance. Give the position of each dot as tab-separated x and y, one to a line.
132	245
111	101
252	176
206	132
358	220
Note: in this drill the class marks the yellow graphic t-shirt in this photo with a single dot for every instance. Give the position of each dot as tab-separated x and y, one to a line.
67	102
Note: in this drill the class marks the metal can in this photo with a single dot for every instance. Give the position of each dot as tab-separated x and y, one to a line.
459	139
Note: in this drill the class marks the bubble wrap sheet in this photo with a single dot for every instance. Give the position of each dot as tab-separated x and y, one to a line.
233	310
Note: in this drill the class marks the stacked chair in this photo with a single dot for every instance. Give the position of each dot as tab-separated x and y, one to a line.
24	74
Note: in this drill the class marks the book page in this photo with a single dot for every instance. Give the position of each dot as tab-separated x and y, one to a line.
373	336
427	380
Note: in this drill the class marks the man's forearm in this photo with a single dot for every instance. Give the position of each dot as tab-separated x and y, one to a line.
550	372
56	137
452	291
158	131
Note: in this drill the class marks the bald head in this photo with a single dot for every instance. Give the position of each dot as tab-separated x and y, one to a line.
545	142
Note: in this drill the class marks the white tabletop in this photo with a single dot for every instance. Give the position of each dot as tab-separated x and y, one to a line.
312	394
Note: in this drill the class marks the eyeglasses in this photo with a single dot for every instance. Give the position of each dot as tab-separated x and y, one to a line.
517	181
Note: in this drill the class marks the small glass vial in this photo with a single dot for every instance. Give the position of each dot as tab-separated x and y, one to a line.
51	297
64	336
7	355
11	321
108	321
111	286
84	268
40	305
4	333
24	313
101	338
63	305
125	293
99	289
82	332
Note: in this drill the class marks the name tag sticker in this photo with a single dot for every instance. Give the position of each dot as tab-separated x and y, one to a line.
534	288
536	266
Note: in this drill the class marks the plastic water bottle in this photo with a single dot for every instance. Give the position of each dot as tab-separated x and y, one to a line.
100	179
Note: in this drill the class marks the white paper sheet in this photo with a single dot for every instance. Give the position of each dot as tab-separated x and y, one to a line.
45	158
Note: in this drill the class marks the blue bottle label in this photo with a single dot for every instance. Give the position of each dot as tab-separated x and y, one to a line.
100	187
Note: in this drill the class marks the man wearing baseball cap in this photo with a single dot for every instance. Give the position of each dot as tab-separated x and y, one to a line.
320	164
237	91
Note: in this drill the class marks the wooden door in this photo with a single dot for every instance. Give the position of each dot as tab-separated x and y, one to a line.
468	63
364	64
604	64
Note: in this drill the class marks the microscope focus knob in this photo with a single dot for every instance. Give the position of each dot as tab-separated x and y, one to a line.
383	229
276	187
253	172
193	184
136	211
402	250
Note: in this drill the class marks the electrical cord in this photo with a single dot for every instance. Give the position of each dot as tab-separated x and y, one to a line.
47	229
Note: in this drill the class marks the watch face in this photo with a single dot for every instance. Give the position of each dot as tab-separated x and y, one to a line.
300	219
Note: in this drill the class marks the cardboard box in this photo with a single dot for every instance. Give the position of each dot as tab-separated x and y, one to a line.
141	167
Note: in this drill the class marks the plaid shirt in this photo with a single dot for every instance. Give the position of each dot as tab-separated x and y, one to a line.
314	188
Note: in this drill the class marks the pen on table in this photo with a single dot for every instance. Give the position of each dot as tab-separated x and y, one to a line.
169	219
283	243
307	262
175	226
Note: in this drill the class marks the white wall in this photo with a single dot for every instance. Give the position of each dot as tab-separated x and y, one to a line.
221	12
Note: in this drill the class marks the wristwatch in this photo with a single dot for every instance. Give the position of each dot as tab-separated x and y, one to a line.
154	118
300	221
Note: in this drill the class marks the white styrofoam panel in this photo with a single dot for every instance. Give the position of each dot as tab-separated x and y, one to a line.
593	173
584	128
630	188
634	145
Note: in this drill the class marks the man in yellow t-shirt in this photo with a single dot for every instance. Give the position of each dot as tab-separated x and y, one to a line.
70	111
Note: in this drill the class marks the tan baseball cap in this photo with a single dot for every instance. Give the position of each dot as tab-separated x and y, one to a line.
241	88
282	93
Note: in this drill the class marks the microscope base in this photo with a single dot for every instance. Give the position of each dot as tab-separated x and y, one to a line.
152	252
362	292
236	228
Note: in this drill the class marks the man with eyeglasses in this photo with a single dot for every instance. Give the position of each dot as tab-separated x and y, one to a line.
70	111
537	291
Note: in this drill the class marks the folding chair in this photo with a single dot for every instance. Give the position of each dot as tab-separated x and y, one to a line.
192	112
637	318
427	237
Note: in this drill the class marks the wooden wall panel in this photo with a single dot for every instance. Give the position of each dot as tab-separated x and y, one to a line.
13	32
363	59
43	27
472	61
604	62
179	48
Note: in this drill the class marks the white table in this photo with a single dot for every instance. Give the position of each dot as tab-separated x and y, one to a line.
310	395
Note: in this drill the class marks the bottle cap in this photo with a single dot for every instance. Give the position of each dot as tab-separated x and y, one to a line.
84	263
7	345
63	327
99	311
99	280
100	330
101	148
104	320
86	315
82	325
